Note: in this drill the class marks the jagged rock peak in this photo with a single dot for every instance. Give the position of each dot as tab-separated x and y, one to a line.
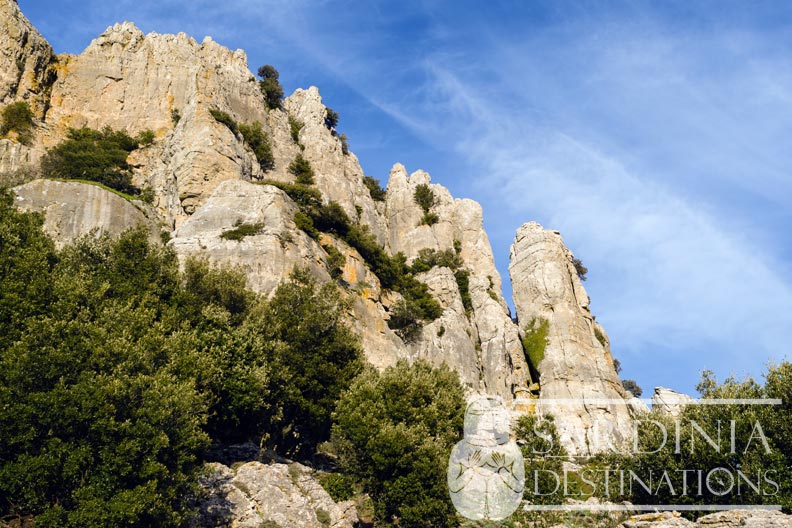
579	384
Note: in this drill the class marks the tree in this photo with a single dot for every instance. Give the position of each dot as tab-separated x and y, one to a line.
270	86
331	119
302	170
632	387
394	431
99	156
259	143
19	118
375	189
316	359
580	269
424	197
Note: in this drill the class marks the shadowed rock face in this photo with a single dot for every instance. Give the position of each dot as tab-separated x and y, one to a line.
579	384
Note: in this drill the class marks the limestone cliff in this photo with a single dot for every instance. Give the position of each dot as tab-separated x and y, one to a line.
206	182
579	384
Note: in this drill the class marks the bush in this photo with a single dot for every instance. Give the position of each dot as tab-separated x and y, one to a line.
145	138
93	155
117	370
316	361
429	258
259	143
339	486
632	387
600	337
580	269
394	431
535	341
463	283
175	116
335	261
270	86
429	219
304	222
241	231
344	143
295	125
331	119
19	118
225	119
424	197
375	190
301	168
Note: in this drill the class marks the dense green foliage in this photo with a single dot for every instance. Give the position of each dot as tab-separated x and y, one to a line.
344	143
463	283
430	219
19	118
302	170
175	116
746	468
331	119
98	156
424	197
632	387
259	143
429	258
145	138
295	125
270	86
117	370
535	341
225	119
317	357
335	261
394	431
580	269
240	231
375	189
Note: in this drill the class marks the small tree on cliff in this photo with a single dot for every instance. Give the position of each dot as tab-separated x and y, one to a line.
270	86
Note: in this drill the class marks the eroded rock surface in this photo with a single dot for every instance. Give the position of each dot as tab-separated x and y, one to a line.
579	384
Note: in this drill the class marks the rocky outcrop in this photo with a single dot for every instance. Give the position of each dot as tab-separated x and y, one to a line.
579	384
256	495
724	519
669	402
73	209
268	256
25	59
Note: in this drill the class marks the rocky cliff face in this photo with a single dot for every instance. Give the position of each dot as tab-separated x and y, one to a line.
579	384
206	182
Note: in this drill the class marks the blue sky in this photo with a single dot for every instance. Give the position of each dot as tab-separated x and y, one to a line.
654	135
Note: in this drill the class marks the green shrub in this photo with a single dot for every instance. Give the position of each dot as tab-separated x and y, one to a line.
339	486
458	248
145	138
580	269
600	337
331	119
393	431
318	358
175	116
295	125
301	169
335	261
241	231
375	190
429	258
19	118
405	320
429	219
308	198
270	86
632	387
535	340
424	197
93	155
344	143
259	143
225	119
463	283
332	218
304	222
